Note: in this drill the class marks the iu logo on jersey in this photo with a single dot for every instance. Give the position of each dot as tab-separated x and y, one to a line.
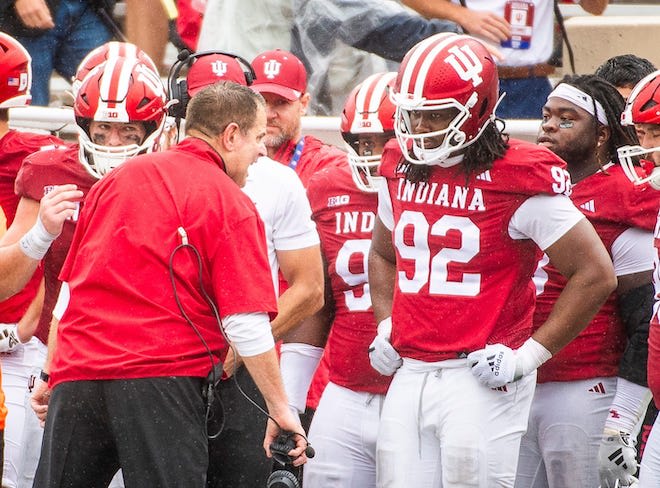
272	68
466	64
219	68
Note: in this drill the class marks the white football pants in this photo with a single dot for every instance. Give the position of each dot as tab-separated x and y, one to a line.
560	448
440	428
343	433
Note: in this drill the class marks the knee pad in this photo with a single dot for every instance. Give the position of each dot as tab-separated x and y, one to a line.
460	466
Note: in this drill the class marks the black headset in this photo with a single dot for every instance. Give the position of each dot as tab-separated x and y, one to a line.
178	88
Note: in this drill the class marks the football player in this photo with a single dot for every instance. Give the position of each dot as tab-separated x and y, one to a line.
18	317
115	121
561	446
461	222
344	203
642	111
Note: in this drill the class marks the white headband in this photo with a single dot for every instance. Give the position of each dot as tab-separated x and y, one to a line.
581	99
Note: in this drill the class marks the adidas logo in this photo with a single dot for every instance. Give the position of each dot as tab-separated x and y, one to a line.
485	176
617	458
500	388
599	388
589	206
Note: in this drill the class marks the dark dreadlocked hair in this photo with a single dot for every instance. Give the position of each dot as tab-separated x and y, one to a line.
613	104
477	158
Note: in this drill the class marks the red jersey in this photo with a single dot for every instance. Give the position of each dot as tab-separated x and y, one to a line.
309	156
654	331
612	206
38	174
462	280
345	218
122	320
14	147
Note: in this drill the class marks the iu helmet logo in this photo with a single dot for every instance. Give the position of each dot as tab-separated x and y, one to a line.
272	68
219	68
466	64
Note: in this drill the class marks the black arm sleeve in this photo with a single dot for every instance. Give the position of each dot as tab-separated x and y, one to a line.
635	309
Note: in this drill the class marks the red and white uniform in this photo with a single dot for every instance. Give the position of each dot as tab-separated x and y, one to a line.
613	206
345	425
129	304
649	473
20	367
39	173
583	374
345	218
456	257
466	250
14	148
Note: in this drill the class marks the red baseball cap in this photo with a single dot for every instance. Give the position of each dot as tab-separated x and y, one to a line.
281	73
211	68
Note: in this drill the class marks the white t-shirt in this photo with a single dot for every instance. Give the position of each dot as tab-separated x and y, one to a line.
541	45
282	204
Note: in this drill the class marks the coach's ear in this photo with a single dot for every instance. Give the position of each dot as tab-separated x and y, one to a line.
229	137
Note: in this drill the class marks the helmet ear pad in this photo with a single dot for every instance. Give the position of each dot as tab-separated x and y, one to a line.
178	86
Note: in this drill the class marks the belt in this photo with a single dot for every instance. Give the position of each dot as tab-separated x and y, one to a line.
516	72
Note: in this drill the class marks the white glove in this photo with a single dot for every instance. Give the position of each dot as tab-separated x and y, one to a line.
617	460
496	364
382	356
8	338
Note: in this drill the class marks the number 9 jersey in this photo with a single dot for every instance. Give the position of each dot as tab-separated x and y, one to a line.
345	217
467	247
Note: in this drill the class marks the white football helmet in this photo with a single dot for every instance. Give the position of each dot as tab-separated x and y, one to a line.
642	107
445	72
119	90
368	110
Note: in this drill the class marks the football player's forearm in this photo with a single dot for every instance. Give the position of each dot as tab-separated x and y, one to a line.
27	326
581	258
382	274
581	298
16	269
382	271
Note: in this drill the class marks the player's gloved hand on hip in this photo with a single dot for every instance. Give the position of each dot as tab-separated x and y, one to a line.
382	356
617	459
496	364
9	340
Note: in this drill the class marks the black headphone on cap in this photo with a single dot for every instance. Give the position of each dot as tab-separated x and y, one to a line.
178	88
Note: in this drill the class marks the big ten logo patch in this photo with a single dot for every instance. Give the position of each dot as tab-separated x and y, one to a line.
338	200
